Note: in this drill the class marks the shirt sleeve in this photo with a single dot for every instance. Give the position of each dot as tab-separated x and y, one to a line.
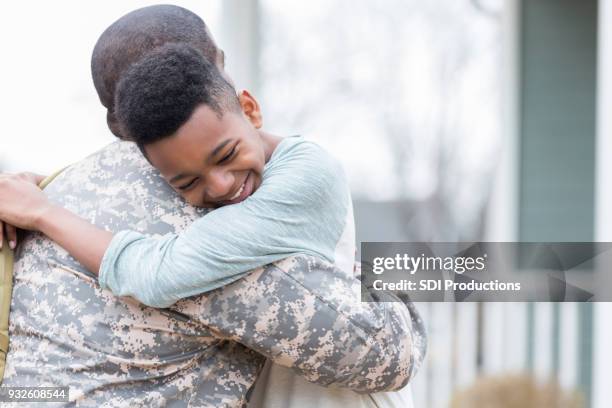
309	316
299	208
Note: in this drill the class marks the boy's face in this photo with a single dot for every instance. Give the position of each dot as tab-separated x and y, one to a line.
212	161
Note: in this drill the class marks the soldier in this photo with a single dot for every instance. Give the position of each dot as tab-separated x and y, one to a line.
300	313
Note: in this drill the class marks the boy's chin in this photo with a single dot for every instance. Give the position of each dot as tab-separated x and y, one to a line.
210	206
201	204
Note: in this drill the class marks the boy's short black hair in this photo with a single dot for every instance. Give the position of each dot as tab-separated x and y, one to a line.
157	95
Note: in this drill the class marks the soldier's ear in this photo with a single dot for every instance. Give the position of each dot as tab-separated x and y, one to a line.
113	124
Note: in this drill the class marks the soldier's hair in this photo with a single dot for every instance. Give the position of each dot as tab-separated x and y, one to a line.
158	94
135	35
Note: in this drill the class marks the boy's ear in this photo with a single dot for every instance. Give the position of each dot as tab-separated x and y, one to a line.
250	108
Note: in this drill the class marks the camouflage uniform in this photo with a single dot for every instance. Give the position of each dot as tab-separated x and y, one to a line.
205	351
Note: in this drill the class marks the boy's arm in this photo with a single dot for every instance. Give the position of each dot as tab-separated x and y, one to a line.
305	314
300	207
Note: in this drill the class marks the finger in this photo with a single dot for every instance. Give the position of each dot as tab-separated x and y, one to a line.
30	177
38	178
11	235
1	233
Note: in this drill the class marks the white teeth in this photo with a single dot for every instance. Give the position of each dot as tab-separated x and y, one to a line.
238	193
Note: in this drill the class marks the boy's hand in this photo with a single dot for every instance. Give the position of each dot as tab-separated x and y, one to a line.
22	204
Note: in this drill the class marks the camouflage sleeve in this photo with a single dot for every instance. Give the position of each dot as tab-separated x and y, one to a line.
307	315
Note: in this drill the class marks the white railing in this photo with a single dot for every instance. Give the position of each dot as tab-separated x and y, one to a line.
469	340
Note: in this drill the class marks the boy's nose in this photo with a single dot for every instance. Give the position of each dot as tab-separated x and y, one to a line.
219	185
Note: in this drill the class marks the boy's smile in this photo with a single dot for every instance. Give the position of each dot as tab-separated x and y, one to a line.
246	189
215	160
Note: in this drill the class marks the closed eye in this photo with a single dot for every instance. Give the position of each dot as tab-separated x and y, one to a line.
228	156
188	185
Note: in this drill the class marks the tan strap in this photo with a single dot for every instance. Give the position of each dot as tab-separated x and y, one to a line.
43	184
6	287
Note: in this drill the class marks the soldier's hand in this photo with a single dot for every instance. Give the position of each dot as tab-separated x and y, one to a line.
30	177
